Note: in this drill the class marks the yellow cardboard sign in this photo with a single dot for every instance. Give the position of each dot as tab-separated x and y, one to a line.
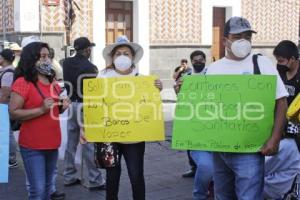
122	109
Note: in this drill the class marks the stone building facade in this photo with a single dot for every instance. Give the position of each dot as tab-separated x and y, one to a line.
168	30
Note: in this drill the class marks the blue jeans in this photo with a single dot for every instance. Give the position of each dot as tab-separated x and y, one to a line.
134	158
238	176
204	173
40	166
53	186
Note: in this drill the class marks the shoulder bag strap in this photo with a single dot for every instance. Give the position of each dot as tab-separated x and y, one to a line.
39	90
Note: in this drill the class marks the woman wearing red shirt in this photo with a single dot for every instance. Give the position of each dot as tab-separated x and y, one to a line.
34	101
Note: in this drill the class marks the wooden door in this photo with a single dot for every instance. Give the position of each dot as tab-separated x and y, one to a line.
218	50
118	20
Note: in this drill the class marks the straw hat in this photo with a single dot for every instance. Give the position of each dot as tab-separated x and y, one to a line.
15	47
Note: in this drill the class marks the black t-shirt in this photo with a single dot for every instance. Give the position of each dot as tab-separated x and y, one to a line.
292	85
75	69
293	88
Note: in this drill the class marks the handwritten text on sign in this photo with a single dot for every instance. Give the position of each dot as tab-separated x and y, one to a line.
226	113
126	109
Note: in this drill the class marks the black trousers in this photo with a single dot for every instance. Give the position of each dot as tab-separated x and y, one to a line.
134	158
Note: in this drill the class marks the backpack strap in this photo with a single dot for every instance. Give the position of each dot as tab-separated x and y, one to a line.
4	72
255	63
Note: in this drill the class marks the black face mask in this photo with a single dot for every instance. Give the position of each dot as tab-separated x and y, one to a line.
198	67
282	68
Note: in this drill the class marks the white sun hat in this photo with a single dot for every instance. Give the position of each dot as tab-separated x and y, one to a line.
29	39
123	40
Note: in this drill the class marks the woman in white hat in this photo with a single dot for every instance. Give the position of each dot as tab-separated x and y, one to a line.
121	58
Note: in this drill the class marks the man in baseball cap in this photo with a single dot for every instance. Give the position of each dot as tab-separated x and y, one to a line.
240	175
75	69
82	43
237	25
237	38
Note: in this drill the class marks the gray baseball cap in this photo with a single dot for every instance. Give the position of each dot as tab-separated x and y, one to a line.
237	25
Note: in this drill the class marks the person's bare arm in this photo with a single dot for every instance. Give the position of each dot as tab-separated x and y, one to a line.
177	73
177	86
158	84
18	113
271	146
5	94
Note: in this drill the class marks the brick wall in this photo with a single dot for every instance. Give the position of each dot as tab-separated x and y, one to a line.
274	20
175	22
54	19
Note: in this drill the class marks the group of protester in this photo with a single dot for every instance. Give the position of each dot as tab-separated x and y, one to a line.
35	99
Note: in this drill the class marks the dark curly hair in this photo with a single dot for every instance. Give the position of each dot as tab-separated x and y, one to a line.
29	56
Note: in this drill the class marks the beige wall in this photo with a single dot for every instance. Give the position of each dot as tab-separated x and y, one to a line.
274	20
175	22
54	19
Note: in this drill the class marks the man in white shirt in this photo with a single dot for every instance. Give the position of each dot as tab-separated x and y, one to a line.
241	175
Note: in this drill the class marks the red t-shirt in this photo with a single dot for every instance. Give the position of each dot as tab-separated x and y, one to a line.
42	132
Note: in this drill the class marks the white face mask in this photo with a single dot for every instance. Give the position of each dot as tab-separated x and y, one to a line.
122	63
240	48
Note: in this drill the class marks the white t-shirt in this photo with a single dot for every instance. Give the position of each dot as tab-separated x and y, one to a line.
107	73
246	66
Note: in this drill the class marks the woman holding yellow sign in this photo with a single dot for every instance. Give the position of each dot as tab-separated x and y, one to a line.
121	58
